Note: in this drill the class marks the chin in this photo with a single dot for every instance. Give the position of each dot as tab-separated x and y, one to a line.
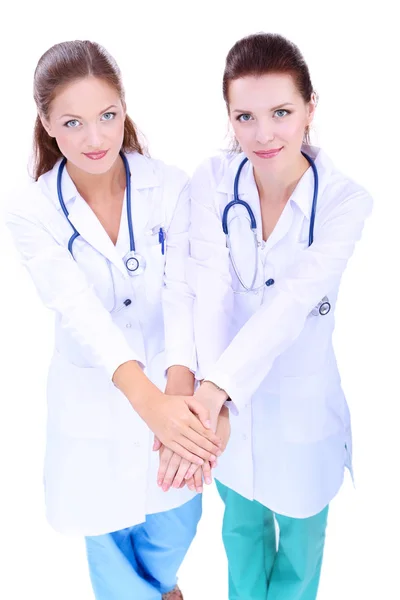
97	167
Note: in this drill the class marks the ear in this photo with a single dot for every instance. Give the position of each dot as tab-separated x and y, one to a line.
46	125
312	105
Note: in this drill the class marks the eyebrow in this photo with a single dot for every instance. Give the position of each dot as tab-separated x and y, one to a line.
274	108
78	117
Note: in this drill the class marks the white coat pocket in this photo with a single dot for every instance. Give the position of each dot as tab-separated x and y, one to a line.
83	402
311	407
155	267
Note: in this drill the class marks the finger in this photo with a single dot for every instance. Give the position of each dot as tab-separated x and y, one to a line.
208	450
157	444
184	453
191	471
208	434
207	473
181	472
165	457
195	448
200	411
198	480
170	473
190	484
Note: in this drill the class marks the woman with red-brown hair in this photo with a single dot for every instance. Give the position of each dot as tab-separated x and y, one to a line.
273	226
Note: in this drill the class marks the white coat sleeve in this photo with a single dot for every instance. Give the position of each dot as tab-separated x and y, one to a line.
177	297
209	273
63	288
279	321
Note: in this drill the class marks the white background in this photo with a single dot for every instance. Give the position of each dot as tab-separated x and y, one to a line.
172	57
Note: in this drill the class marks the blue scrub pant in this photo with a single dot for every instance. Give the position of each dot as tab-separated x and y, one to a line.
257	569
141	562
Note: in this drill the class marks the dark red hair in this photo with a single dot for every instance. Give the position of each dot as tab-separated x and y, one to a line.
263	53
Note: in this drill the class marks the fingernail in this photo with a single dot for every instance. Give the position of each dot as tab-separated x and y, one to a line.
200	461
219	453
159	482
212	457
199	490
165	488
208	423
208	480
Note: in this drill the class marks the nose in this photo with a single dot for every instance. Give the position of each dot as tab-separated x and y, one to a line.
264	132
94	138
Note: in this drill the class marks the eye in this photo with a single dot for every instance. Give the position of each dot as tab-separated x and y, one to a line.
281	113
72	124
244	117
108	116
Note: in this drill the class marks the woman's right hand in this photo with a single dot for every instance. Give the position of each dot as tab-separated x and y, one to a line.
182	424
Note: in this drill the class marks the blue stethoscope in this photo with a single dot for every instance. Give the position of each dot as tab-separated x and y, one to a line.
134	262
324	306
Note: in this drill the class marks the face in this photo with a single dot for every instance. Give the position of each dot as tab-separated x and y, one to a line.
87	119
269	118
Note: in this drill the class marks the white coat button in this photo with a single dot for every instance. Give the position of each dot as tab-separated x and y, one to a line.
128	325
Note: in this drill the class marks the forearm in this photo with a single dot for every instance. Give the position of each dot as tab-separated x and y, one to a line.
135	385
180	380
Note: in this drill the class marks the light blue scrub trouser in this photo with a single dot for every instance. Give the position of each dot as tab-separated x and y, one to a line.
257	570
141	562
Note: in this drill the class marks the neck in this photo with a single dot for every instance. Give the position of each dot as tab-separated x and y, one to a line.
276	188
99	188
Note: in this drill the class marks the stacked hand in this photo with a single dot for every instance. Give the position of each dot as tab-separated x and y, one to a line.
177	471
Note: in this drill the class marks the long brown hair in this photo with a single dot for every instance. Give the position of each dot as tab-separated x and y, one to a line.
60	65
263	53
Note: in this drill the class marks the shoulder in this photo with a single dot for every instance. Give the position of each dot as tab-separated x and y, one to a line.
216	173
28	201
340	192
153	171
216	166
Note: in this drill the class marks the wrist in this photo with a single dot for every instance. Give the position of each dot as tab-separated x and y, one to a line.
214	394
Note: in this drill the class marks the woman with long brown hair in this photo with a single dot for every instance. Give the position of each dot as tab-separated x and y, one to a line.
103	232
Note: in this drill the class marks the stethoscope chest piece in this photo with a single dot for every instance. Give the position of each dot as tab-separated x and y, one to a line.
135	263
323	308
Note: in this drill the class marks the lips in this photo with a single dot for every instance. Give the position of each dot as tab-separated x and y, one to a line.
268	153
96	155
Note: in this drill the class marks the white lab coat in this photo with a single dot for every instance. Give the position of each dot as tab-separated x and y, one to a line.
100	472
291	433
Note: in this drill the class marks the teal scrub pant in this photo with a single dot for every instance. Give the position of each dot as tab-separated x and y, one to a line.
141	562
257	569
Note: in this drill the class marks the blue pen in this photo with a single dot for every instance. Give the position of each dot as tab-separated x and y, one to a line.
161	239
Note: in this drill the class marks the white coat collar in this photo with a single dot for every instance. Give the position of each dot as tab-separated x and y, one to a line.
147	213
302	195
